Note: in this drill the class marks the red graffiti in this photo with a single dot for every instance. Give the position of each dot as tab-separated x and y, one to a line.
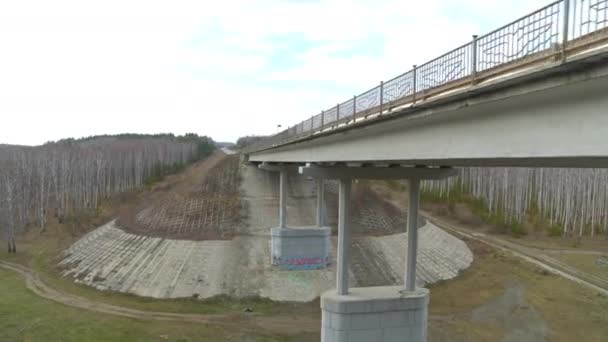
304	261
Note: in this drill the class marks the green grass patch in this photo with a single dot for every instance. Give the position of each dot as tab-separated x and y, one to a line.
27	317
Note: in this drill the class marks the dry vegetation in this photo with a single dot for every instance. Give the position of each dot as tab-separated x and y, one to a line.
502	298
204	203
373	213
67	180
569	202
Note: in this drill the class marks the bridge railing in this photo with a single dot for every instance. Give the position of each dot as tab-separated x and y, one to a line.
547	33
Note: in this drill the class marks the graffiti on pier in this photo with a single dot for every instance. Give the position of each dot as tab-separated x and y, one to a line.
302	263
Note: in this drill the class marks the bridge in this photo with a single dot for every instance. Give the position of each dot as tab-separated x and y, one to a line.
531	93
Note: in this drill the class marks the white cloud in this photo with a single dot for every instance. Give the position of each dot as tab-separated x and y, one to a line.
74	68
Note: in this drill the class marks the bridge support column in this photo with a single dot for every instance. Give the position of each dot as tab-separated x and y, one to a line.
382	313
296	248
344	240
283	199
320	202
412	234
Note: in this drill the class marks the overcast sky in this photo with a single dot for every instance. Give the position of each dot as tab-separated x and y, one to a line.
218	68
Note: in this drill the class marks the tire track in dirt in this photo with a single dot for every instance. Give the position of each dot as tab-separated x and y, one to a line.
279	324
525	253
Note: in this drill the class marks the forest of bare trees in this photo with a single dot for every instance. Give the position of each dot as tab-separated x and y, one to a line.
569	201
62	178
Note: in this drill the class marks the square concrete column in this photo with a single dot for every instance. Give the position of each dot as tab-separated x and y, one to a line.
283	199
412	234
320	202
344	238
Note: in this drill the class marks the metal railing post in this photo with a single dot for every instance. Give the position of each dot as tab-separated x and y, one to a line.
488	51
338	112
381	96
414	86
566	28
474	58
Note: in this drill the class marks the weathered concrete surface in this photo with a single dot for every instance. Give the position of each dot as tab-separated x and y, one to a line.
547	116
110	258
301	248
382	314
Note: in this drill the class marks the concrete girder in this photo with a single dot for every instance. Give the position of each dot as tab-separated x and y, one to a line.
553	117
373	172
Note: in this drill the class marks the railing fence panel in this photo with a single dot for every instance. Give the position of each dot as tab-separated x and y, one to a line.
545	31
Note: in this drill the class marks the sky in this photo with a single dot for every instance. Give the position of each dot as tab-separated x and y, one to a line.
219	68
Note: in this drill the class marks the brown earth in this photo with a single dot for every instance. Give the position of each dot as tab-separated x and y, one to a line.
275	324
201	203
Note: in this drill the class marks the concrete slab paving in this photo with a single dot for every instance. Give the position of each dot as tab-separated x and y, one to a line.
109	258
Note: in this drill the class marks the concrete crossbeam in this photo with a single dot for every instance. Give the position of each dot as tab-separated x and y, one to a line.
376	172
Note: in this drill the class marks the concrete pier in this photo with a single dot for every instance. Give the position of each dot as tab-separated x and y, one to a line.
375	313
379	314
301	248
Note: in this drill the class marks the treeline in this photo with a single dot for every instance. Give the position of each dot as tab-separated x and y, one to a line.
247	140
570	202
61	178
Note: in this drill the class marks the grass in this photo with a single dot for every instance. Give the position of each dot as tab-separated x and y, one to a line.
572	313
27	317
42	253
534	232
585	262
478	207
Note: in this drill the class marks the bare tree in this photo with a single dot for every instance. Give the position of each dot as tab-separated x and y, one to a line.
575	199
67	177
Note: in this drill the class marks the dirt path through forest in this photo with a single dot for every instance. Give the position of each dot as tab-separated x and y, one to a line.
280	324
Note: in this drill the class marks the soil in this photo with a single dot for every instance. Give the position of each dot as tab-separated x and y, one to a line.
511	310
276	324
533	255
202	203
372	213
110	258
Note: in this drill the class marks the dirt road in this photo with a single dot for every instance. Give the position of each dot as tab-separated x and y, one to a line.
283	323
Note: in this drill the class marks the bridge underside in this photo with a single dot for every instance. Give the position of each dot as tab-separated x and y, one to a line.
557	117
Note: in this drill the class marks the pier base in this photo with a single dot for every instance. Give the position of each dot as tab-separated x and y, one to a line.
382	314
